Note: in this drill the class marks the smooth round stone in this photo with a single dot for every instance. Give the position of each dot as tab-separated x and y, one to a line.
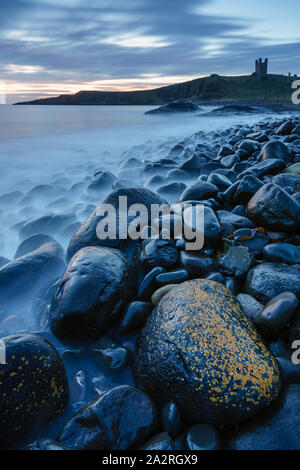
203	437
285	180
147	285
197	265
135	316
295	169
274	430
282	253
250	146
230	160
237	261
95	288
199	190
267	280
171	419
221	181
217	277
160	442
117	420
32	243
209	228
275	150
232	285
226	150
172	277
46	444
161	292
276	314
111	355
249	305
158	253
171	191
253	239
223	381
274	209
268	167
34	386
290	373
247	186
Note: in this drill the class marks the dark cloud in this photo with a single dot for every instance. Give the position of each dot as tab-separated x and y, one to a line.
82	41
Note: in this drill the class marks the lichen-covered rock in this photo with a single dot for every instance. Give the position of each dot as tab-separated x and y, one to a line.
94	289
33	385
199	349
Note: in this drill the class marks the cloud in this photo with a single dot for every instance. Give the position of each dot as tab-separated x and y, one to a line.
75	41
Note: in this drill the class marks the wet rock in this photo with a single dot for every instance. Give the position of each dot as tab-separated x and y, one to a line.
199	190
96	286
274	430
117	420
246	189
268	167
171	419
282	253
175	107
158	252
203	437
275	150
161	292
274	209
249	305
197	265
231	221
250	146
219	180
209	227
226	150
288	180
24	277
34	386
230	160
171	191
87	234
267	280
177	360
135	316
276	314
177	175
32	243
47	225
160	442
193	165
285	128
147	286
254	239
294	169
237	261
46	444
110	355
172	277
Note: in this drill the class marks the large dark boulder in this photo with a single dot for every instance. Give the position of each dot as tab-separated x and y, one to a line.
96	286
274	430
115	421
199	190
199	349
34	387
48	224
275	150
33	242
87	234
274	209
267	280
24	277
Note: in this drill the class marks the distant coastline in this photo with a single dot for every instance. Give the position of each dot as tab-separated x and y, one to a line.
215	89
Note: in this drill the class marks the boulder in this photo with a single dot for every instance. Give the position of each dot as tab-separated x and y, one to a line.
199	349
275	150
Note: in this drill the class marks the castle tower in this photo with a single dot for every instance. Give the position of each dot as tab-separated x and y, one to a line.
261	69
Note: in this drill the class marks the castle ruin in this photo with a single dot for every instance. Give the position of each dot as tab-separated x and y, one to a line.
261	69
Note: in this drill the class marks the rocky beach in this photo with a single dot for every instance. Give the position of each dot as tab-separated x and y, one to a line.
142	344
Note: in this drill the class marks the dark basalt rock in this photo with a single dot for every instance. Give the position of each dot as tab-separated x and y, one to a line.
117	420
87	236
175	107
250	146
276	314
249	305
34	386
158	252
274	209
275	150
203	437
172	277
101	181
199	190
160	442
212	230
96	286
237	261
135	316
285	128
267	280
171	191
147	286
47	225
246	189
171	419
23	278
268	167
32	243
282	253
274	430
176	359
197	265
285	180
46	444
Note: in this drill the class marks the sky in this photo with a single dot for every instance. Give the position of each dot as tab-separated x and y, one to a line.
53	47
